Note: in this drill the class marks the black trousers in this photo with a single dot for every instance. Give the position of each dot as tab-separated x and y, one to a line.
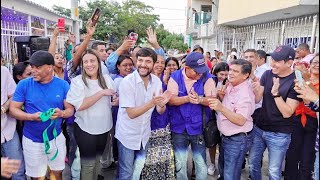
300	156
89	145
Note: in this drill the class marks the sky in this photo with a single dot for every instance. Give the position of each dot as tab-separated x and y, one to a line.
172	12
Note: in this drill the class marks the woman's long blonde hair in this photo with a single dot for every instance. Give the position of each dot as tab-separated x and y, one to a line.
101	80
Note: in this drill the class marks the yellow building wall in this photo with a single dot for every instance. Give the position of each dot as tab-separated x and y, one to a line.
232	10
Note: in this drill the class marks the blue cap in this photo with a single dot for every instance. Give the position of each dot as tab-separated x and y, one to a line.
283	53
195	60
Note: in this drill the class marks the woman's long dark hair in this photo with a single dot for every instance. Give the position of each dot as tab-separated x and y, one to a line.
101	80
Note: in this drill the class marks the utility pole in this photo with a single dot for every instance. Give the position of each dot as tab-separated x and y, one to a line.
75	17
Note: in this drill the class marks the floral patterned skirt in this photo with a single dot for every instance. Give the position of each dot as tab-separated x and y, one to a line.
160	157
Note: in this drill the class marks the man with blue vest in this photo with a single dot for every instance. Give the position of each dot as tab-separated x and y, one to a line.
191	87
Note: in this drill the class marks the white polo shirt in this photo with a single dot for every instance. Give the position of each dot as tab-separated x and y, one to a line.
132	93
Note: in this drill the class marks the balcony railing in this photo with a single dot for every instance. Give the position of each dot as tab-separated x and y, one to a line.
197	19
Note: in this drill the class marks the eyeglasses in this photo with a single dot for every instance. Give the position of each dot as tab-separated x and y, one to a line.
315	63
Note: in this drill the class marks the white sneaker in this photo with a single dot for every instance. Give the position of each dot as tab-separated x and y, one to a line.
211	169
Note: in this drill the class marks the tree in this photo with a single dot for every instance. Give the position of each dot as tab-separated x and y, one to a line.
117	19
170	40
62	10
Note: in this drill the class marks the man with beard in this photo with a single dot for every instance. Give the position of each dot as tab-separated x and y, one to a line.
191	87
140	93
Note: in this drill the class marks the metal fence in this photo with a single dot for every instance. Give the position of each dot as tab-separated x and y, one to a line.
265	36
10	30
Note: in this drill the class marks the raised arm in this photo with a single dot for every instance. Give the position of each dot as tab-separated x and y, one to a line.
83	46
53	42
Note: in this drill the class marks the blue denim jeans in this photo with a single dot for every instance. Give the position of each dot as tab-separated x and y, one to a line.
131	162
232	154
277	144
12	149
180	146
316	166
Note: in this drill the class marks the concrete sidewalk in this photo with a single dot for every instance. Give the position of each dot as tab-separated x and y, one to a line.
110	174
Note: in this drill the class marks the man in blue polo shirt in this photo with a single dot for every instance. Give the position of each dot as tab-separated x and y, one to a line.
38	94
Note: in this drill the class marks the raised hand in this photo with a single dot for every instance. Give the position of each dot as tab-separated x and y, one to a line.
72	37
90	28
152	38
255	85
276	85
166	75
55	31
126	45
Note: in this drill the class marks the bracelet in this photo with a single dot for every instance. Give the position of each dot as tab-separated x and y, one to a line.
316	102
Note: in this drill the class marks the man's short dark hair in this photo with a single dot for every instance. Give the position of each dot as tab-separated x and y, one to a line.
304	46
233	50
262	54
95	44
110	48
251	50
246	66
147	52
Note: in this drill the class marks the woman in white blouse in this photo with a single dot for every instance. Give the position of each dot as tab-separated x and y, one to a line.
90	93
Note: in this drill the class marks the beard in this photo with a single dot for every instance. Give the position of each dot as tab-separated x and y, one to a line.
144	74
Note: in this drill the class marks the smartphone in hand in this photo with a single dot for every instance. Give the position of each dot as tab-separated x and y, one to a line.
299	78
95	16
61	23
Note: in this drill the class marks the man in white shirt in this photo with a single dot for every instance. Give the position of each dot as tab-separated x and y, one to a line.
259	66
139	94
100	47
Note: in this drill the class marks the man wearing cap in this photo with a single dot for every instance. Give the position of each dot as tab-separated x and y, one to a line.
198	48
273	129
38	94
234	119
191	87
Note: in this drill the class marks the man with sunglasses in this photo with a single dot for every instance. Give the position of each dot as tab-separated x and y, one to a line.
191	87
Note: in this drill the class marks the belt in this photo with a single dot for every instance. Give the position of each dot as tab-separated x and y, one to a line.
242	133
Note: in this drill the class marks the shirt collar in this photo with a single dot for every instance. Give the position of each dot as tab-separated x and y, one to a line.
239	86
139	79
186	77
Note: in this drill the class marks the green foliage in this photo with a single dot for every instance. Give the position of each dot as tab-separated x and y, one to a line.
116	19
170	40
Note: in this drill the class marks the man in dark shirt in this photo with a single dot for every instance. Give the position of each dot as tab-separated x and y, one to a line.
273	129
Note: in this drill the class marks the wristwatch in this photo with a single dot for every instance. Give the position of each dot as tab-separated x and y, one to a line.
3	110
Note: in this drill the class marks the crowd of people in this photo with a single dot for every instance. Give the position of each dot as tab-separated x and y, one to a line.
140	112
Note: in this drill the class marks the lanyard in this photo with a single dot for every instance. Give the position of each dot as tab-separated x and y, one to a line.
45	116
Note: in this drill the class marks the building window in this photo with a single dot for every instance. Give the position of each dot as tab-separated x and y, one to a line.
294	42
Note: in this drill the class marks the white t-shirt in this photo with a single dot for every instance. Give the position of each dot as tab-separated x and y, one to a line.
132	93
96	119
